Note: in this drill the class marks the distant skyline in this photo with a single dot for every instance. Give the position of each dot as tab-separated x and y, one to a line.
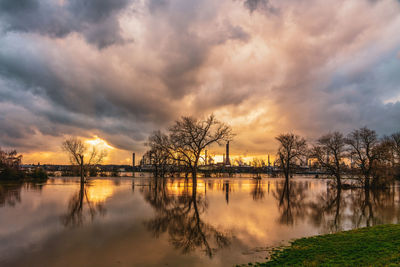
113	71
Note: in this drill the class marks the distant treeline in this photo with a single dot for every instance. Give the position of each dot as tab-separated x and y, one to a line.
10	169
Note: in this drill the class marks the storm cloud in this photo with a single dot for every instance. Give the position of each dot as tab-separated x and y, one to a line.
96	20
119	69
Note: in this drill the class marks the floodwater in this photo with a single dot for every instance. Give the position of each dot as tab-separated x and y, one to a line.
144	222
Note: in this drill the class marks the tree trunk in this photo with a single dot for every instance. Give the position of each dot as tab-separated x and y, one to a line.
81	167
287	173
339	182
194	186
366	184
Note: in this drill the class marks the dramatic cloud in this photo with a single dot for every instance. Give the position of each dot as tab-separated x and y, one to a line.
96	20
119	69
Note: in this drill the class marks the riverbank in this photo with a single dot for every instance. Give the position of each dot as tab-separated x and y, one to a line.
371	246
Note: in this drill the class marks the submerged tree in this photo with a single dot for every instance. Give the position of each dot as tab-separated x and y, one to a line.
188	137
330	153
365	151
391	146
158	154
83	156
291	148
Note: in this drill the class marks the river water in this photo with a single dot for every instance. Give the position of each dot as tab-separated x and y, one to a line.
148	222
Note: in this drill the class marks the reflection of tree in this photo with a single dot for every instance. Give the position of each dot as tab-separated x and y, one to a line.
328	209
10	193
257	191
369	208
180	216
291	197
77	214
340	209
227	190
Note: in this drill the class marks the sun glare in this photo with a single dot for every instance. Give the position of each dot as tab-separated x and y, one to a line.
98	142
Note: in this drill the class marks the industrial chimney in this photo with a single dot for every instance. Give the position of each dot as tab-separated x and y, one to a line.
227	160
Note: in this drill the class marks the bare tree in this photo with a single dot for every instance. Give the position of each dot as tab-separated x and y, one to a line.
330	152
158	154
396	146
393	146
292	147
188	138
396	153
10	159
365	153
83	156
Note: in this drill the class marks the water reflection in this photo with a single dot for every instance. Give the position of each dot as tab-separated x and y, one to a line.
258	192
10	192
327	210
373	207
215	222
291	201
180	217
85	204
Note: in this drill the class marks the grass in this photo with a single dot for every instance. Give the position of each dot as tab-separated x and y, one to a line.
372	246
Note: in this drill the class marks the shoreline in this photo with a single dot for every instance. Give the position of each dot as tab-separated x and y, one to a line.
369	246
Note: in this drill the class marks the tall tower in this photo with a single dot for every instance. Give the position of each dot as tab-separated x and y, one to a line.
227	160
269	162
133	160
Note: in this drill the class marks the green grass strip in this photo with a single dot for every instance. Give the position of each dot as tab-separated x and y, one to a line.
372	246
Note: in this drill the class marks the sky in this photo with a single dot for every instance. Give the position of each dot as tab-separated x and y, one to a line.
113	71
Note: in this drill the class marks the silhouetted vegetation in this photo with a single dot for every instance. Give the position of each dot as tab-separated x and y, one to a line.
185	142
330	153
291	148
10	168
83	156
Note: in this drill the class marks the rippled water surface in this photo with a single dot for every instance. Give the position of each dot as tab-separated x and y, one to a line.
148	222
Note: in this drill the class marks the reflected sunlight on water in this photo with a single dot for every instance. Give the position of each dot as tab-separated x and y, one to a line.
99	190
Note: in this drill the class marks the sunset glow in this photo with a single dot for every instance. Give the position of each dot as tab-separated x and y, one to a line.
98	142
264	67
199	133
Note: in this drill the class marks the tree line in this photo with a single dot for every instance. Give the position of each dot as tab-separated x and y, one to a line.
10	162
361	154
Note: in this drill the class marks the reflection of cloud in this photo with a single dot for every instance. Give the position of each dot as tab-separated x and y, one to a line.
283	66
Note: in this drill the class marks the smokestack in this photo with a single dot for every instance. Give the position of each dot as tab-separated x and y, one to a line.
227	162
133	160
269	162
